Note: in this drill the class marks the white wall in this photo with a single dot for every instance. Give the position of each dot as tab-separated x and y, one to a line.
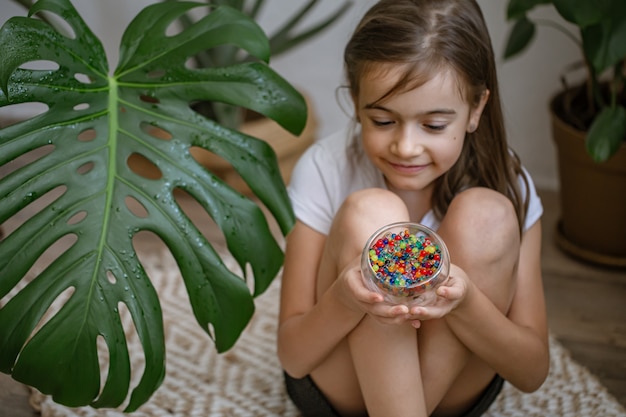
526	82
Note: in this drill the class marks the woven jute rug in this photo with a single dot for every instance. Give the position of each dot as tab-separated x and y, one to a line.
247	380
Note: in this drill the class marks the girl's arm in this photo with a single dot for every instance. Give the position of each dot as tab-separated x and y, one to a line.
310	329
515	345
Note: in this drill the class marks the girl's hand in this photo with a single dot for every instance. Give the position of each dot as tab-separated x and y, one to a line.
358	297
450	295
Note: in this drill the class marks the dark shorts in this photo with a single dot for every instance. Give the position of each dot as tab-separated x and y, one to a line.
312	403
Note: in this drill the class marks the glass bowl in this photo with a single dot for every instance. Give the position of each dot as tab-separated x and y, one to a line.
405	262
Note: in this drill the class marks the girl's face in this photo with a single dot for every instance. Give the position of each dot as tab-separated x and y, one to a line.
414	136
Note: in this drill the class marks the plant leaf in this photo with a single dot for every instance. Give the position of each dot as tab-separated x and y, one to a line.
604	43
95	123
223	25
606	134
583	13
520	36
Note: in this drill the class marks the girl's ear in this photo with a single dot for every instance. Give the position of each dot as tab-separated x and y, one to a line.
477	112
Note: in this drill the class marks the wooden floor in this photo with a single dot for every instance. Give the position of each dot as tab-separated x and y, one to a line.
586	310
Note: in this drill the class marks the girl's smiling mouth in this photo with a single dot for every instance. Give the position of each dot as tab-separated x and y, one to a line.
407	168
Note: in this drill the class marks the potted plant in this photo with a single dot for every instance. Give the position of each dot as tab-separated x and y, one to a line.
94	123
589	125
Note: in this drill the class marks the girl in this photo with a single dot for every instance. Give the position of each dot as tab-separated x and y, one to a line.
429	146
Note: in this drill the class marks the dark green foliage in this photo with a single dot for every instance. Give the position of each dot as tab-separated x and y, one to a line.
94	123
602	30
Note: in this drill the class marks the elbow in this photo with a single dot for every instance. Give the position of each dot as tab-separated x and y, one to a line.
537	375
294	369
291	363
295	375
531	385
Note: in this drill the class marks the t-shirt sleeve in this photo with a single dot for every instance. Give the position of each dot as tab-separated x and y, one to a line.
535	208
308	191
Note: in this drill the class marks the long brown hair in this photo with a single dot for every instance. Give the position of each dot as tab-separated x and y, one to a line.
427	36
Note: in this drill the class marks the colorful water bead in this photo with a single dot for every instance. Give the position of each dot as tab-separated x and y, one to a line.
404	262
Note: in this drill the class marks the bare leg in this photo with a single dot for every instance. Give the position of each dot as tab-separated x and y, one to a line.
364	365
383	366
480	230
388	369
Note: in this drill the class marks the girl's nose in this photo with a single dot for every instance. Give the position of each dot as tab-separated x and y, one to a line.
407	143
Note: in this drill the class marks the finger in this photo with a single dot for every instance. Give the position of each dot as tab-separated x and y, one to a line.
361	291
390	311
371	297
422	313
416	310
450	293
368	297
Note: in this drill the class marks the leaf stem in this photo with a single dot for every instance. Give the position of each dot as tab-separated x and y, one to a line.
112	169
560	28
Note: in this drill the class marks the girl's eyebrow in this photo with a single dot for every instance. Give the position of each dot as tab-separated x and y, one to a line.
375	106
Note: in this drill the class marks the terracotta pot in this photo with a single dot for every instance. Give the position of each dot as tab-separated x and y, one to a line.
592	226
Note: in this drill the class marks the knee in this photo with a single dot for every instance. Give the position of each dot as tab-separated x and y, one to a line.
362	213
373	198
486	219
374	207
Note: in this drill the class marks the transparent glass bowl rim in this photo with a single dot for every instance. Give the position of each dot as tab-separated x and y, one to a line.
414	228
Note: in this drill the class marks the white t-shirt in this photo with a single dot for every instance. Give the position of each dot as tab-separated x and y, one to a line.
326	175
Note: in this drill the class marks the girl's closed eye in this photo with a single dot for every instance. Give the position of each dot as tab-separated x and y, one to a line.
382	122
435	127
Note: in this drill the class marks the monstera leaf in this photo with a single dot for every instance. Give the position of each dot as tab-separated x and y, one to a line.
94	123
